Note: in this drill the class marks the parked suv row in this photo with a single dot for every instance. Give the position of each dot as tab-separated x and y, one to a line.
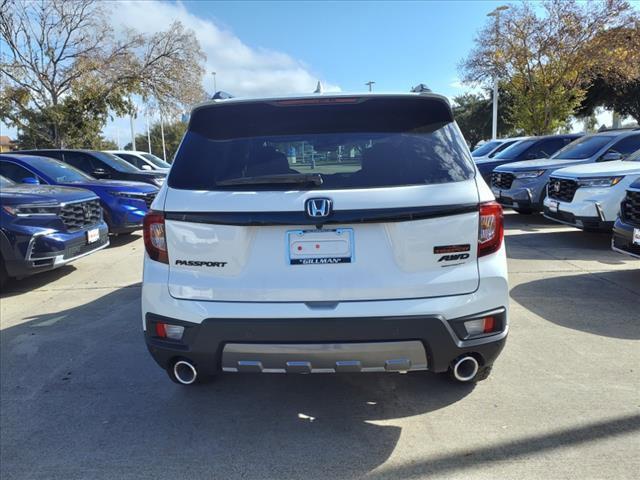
124	203
527	148
523	185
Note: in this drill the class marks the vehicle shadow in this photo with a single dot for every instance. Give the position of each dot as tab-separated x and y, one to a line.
33	282
534	222
594	246
79	383
120	240
570	301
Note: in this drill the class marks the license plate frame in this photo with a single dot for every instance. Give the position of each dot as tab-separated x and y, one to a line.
320	247
635	239
554	206
93	235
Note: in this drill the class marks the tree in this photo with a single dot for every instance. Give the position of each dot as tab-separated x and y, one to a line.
474	114
621	96
64	70
546	61
173	133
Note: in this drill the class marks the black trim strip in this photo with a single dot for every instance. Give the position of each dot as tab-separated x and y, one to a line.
373	215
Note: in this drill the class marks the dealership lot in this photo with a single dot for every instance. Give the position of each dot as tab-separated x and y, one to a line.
81	398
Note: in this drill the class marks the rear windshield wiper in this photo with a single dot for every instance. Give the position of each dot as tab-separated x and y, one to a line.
282	179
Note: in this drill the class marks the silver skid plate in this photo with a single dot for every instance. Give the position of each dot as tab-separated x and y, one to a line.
324	357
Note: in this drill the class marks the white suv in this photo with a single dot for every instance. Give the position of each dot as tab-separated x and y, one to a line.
327	233
588	196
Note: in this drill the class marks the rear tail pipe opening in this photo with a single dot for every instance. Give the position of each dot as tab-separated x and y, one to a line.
184	372
465	368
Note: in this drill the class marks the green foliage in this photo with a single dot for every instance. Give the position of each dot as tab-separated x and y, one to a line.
474	115
618	95
547	57
65	70
173	133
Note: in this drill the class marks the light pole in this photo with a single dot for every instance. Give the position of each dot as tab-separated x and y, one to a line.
494	125
370	83
215	87
133	133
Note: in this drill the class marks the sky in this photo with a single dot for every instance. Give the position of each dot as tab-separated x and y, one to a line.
266	48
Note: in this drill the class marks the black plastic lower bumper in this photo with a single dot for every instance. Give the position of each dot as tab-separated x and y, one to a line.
623	238
584	223
203	343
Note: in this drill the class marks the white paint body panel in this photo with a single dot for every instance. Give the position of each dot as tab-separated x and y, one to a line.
391	260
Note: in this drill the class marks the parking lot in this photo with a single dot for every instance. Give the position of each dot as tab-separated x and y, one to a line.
81	397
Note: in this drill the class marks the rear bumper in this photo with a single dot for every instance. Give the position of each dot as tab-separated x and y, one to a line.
321	344
623	239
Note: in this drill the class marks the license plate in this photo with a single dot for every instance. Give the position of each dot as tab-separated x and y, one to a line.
636	236
320	247
93	235
553	206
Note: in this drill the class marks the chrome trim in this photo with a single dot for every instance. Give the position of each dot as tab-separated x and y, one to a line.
393	356
33	239
600	212
456	369
64	204
623	252
191	370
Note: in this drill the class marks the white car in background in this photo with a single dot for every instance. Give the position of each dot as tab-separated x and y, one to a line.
588	196
142	160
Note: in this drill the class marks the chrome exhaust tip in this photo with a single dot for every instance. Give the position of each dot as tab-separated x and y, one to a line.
184	372
465	368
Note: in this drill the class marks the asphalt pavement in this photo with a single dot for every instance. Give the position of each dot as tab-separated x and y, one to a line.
80	398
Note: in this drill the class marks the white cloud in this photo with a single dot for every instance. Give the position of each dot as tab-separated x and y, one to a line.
241	70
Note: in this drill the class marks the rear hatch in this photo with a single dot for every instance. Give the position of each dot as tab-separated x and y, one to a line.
325	199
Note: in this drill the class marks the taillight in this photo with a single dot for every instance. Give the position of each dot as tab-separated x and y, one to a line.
155	240
491	230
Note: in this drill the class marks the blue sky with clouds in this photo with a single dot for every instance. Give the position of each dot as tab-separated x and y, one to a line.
264	48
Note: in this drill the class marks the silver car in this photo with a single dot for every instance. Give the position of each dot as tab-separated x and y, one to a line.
523	185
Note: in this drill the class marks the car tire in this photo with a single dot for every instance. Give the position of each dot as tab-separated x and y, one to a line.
4	276
107	219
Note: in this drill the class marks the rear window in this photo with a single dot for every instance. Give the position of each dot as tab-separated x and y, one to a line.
349	142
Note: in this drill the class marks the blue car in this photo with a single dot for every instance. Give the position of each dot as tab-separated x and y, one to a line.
43	227
124	203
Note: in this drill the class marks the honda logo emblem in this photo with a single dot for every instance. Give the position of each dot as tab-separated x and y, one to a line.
318	207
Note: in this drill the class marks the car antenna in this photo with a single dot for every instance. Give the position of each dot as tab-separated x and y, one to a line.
319	88
220	95
421	88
